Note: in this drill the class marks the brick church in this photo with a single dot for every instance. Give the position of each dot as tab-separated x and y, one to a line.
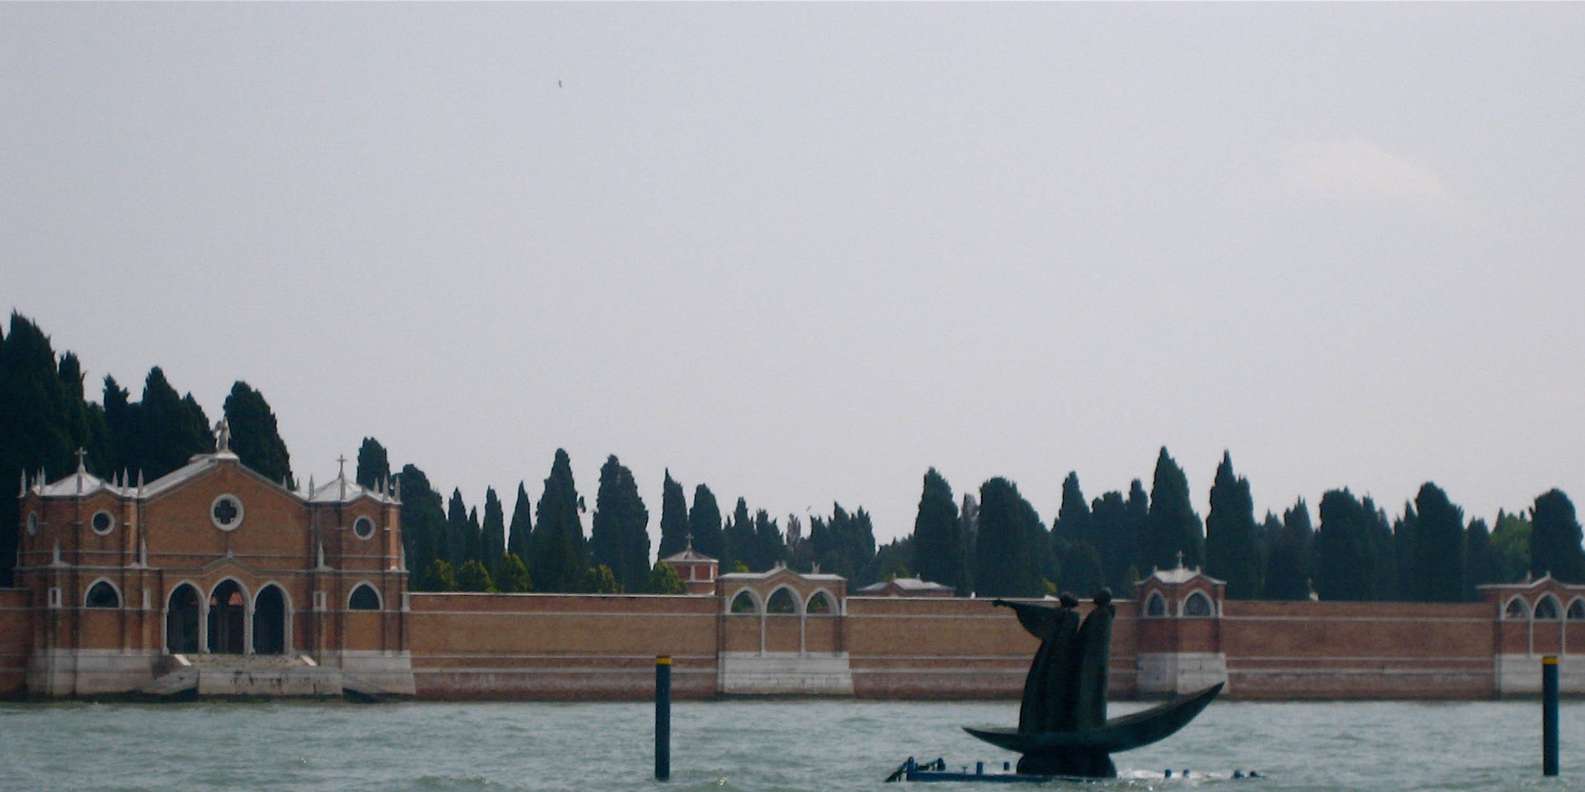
212	576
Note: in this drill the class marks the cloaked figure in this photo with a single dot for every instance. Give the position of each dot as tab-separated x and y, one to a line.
1048	689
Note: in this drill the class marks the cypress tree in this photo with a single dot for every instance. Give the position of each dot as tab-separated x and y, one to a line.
1510	545
1007	557
1405	541
619	532
969	526
1383	551
255	437
517	542
844	544
473	540
374	465
1110	522
1439	547
673	517
1071	529
423	526
1073	516
1288	567
1345	568
1173	526
738	535
770	548
1230	549
1081	570
171	428
1480	563
704	524
85	422
34	424
559	553
494	533
1555	538
456	530
1138	513
938	544
121	423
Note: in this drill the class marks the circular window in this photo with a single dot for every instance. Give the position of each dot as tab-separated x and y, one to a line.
363	527
33	523
226	512
102	522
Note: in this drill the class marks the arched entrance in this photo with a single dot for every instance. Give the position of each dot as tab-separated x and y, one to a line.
227	618
181	621
269	621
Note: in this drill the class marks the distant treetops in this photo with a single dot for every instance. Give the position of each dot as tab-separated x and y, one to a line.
991	544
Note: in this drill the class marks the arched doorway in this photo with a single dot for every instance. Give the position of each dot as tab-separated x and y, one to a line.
269	621
227	618
181	621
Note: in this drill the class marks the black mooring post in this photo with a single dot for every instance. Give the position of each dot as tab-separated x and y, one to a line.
1549	694
662	718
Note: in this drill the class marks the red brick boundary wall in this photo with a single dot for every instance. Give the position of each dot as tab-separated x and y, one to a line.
16	641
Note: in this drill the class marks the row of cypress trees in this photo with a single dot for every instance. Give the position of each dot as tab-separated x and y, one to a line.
1430	553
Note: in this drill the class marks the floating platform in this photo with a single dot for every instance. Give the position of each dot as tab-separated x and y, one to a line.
934	771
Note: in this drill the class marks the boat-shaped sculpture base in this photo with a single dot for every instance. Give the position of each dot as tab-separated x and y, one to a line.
1087	753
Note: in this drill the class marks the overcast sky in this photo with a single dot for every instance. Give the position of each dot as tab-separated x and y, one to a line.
802	253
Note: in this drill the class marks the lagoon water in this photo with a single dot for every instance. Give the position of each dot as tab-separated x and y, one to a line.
746	745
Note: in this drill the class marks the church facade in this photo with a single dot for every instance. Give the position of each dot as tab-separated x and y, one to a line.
211	577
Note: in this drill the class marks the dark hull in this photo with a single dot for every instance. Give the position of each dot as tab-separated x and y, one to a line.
1118	734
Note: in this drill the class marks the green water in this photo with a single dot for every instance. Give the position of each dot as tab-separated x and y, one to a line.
745	745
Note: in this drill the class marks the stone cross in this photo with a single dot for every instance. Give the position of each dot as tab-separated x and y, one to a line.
341	466
1180	559
82	454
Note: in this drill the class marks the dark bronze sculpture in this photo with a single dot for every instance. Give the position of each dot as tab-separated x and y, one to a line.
1062	726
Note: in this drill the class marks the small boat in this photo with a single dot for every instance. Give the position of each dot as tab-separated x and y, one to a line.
1118	734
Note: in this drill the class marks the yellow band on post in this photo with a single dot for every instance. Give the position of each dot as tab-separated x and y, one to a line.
1549	660
663	660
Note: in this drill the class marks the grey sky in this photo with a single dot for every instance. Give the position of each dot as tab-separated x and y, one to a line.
803	252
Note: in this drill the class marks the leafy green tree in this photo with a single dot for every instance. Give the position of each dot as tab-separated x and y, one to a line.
1480	562
1173	526
1288	565
474	577
374	465
493	533
558	552
423	526
891	560
255	437
456	530
1345	565
704	524
938	544
1510	544
1439	547
442	576
663	579
673	517
1011	535
600	580
1231	552
517	539
514	577
1555	538
619	534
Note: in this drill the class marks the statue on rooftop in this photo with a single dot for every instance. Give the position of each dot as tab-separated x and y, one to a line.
222	436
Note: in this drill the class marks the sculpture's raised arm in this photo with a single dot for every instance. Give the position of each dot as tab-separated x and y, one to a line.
1040	620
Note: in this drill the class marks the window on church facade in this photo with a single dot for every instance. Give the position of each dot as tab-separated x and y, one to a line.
364	598
1516	610
363	527
1156	606
102	522
1546	609
103	595
1197	605
226	512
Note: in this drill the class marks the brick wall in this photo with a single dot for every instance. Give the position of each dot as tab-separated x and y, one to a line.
16	641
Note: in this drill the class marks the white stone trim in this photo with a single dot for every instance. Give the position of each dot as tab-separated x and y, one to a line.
373	529
831	599
759	604
792	594
109	515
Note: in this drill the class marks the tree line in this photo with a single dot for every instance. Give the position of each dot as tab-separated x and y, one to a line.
989	543
998	546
